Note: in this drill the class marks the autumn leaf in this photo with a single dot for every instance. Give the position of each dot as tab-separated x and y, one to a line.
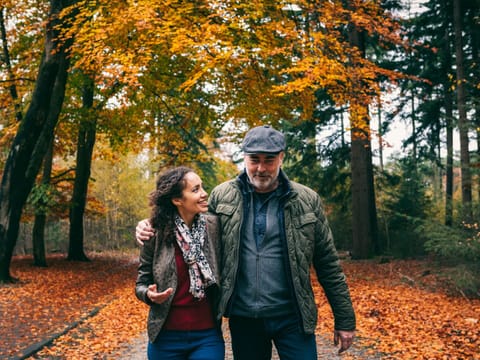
402	319
402	308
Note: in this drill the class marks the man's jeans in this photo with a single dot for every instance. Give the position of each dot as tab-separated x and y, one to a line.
187	345
252	339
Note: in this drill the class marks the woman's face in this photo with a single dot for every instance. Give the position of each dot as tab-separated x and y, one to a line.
194	198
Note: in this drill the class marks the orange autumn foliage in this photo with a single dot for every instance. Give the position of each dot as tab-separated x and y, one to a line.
49	300
403	311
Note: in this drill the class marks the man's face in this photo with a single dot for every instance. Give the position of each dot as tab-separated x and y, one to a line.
263	170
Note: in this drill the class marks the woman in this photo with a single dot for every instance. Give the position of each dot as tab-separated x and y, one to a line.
178	273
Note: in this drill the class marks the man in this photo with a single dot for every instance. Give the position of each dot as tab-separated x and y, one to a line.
273	230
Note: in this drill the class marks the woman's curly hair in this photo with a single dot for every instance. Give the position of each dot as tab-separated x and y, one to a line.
169	185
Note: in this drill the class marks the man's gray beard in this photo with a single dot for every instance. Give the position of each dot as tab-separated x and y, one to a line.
263	185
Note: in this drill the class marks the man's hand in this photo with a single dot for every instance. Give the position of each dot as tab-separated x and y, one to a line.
345	338
143	231
158	297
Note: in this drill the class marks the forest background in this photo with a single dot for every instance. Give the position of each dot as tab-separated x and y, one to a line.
97	96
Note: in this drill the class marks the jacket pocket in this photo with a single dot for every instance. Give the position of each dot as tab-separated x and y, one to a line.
304	219
225	209
304	233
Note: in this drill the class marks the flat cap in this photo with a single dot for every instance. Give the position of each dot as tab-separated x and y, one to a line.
263	139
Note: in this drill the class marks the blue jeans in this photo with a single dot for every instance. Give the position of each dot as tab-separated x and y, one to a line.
187	345
252	339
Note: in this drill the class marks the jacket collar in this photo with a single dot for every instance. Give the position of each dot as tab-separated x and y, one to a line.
284	184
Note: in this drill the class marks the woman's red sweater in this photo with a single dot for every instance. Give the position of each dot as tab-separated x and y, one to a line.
187	313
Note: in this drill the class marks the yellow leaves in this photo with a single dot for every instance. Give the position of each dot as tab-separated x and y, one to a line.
113	38
255	48
252	49
8	133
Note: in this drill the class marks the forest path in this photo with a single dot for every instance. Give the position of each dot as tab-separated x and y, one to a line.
137	349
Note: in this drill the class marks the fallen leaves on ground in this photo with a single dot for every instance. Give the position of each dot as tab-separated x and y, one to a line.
402	311
47	301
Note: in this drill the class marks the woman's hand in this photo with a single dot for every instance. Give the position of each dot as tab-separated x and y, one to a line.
158	297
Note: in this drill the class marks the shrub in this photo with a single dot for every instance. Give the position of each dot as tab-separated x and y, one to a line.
462	243
458	247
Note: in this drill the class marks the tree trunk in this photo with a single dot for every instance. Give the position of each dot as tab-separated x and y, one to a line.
476	92
414	128
38	232
463	124
6	58
31	141
38	238
449	161
86	142
380	134
364	211
448	104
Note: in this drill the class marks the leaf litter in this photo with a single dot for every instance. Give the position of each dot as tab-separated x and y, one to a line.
403	310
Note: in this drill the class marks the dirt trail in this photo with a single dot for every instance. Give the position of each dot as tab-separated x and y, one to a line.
138	350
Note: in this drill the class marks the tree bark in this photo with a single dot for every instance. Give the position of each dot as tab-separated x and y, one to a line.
449	160
85	144
448	104
34	134
463	124
38	232
380	134
475	35
414	128
6	58
364	210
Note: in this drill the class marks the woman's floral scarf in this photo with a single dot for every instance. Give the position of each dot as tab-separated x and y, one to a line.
191	243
